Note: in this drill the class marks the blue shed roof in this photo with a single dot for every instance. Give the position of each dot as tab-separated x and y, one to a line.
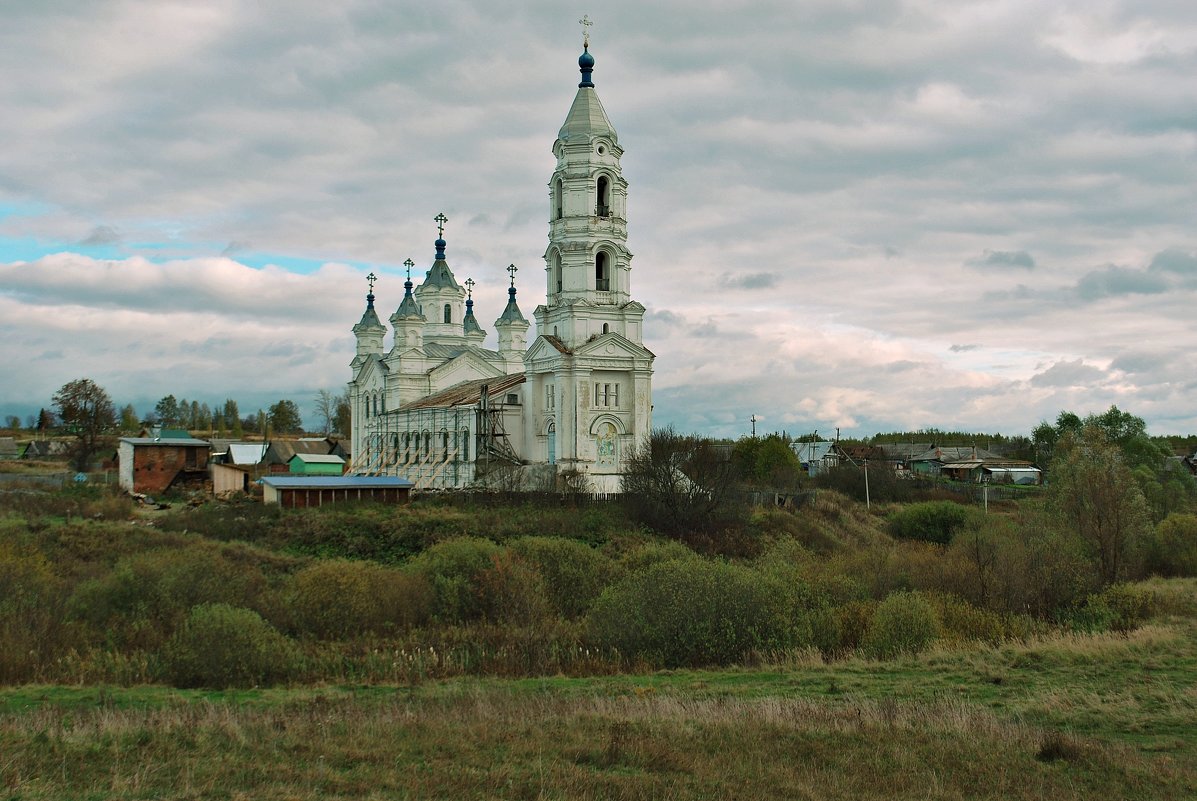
337	482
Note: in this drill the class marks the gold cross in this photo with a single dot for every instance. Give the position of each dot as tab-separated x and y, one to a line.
440	219
585	23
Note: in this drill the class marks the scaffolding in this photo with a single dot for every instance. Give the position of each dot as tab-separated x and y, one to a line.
436	447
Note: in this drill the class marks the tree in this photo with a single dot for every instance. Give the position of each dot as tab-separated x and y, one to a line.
768	462
343	419
167	411
87	412
680	484
129	421
45	421
13	422
1094	494
326	409
284	418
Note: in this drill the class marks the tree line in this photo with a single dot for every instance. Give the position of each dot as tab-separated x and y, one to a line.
83	409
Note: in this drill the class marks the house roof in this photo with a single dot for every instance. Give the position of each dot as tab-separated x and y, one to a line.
318	458
337	482
281	450
811	451
439	350
962	453
46	447
174	442
246	452
467	393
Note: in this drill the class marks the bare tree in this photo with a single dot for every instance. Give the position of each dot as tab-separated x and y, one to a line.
326	409
680	484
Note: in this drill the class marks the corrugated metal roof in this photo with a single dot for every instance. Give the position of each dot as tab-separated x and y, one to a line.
318	458
175	442
466	393
336	482
246	452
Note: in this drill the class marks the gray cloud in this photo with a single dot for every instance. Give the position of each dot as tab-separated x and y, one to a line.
1115	281
1068	374
963	348
101	235
1018	259
751	280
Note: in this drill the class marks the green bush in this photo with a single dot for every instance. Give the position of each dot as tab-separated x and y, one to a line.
574	574
30	614
511	591
933	521
1171	550
222	646
339	599
452	568
1119	607
904	623
147	595
692	612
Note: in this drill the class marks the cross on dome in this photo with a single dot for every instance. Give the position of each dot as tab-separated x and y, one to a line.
469	282
440	219
370	279
512	269
409	264
585	23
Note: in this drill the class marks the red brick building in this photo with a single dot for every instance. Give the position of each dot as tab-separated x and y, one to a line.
149	465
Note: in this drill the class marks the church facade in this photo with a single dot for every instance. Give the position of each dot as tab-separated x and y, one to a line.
439	409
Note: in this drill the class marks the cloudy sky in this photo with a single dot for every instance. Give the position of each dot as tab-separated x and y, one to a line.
874	215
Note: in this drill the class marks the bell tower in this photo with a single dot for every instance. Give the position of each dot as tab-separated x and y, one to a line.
588	374
587	263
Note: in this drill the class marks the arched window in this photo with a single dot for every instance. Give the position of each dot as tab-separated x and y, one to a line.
603	208
448	312
602	278
606	328
552	443
465	445
555	272
557	201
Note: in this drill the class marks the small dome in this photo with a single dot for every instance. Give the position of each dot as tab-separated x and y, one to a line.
586	61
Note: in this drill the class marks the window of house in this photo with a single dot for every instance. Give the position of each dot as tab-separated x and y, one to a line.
448	313
606	328
602	278
604	197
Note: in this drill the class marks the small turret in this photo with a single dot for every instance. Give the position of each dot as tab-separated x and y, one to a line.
369	331
511	325
469	324
407	320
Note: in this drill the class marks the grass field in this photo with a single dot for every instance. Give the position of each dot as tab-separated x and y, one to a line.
1073	717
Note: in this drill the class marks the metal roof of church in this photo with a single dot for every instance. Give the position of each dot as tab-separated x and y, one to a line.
466	393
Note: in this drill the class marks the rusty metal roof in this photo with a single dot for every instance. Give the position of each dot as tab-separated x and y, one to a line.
467	393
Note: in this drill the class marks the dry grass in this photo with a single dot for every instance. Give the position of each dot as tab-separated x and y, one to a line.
476	742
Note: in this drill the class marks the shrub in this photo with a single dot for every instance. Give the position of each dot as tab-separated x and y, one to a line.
934	521
573	573
147	595
1119	607
692	612
1171	549
452	567
338	599
511	591
904	623
30	614
222	646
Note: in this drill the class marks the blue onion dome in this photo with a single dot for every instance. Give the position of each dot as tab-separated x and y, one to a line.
586	66
440	248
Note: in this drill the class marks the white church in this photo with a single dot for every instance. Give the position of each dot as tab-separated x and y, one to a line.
441	410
